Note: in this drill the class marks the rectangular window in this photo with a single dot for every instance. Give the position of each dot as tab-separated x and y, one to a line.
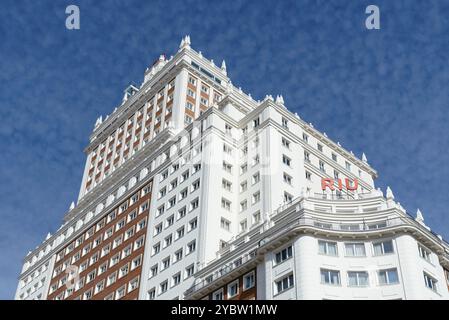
305	137
226	204
430	282
331	277
286	160
191	247
225	224
388	276
328	248
233	289
283	255
308	175
320	147
176	279
383	247
424	253
249	280
358	279
355	249
256	197
286	143
322	166
256	178
165	263
284	283
287	178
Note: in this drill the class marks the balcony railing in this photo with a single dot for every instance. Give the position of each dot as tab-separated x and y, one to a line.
223	271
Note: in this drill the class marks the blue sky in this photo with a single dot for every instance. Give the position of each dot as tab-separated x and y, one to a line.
382	92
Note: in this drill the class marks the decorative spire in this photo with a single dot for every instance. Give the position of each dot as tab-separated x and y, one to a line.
185	43
364	159
200	54
338	143
310	124
48	236
72	205
419	216
325	134
390	194
99	121
223	67
279	100
212	62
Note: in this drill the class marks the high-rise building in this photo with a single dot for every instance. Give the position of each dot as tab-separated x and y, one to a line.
194	190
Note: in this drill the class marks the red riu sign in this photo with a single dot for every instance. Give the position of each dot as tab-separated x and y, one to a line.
330	183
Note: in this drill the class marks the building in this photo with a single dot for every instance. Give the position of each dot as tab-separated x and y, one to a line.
194	190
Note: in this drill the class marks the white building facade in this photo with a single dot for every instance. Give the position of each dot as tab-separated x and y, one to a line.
229	193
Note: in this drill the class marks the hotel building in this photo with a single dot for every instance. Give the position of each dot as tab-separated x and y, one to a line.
194	190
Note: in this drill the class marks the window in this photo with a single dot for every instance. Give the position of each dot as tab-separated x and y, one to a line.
191	246
256	122
308	175
226	185
182	213
218	295
243	186
99	287
178	255
226	204
384	247
243	205
170	220
283	255
287	197
233	289
158	229
183	194
132	215
194	204
287	178
164	175
348	165
190	93
388	276
162	192
111	279
117	241
196	185
185	176
334	157
189	105
243	225
227	167
156	248
249	281
152	294
331	277
126	252
256	197
133	284
355	249
285	123
327	248
168	241
286	160
284	283
430	282
190	270
336	174
305	137
176	279
193	224
424	253
171	202
192	81
227	149
173	184
204	101
188	120
139	243
322	166
153	271
358	279
180	233
256	217
319	147
196	167
120	225
90	276
225	224
115	259
256	178
165	263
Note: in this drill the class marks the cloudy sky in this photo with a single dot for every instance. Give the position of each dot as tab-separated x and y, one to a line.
383	92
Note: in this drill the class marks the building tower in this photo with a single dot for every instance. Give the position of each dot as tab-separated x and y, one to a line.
194	190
